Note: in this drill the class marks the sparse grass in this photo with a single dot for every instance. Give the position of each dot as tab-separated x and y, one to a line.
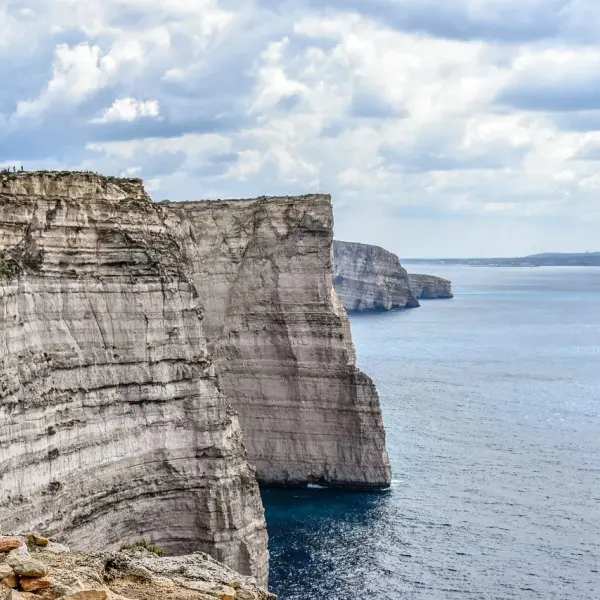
146	545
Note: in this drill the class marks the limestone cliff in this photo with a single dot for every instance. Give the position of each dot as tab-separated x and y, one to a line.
45	570
429	287
128	329
111	422
370	278
281	339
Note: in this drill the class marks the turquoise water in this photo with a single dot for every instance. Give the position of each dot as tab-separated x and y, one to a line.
492	409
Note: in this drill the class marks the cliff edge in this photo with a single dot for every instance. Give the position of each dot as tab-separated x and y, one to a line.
370	278
430	287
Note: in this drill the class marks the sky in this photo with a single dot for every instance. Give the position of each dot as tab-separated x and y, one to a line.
441	129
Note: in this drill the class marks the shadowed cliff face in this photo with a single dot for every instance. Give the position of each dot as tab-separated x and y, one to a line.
370	278
281	339
111	424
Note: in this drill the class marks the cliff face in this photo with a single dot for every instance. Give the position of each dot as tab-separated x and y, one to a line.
370	278
111	422
281	339
127	329
51	571
429	287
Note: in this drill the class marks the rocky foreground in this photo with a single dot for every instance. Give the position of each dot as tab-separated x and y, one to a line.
36	568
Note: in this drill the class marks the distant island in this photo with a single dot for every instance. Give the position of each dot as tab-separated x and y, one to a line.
546	259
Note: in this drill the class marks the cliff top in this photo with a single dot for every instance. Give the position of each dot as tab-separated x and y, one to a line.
8	175
74	185
89	184
366	249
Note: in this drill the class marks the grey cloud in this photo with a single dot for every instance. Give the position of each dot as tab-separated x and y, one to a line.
368	105
588	120
589	152
289	103
442	155
511	21
334	129
560	96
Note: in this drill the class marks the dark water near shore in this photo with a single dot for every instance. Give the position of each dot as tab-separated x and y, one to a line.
492	408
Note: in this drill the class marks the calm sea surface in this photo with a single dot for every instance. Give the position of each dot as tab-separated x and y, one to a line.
492	408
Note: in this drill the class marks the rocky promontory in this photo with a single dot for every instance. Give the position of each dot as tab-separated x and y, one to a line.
370	278
36	568
430	287
145	346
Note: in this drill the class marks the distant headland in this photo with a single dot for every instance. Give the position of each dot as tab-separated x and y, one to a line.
546	259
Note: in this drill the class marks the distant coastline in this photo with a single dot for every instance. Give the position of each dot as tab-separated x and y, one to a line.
547	259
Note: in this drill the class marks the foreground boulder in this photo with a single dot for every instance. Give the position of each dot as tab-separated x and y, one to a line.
130	574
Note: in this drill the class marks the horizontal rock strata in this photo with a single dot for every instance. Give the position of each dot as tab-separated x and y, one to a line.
430	287
111	423
370	278
128	330
281	339
53	572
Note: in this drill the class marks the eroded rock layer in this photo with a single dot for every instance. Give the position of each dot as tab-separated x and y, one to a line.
430	287
111	423
281	339
370	278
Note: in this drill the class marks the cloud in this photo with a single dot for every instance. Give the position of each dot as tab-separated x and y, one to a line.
556	80
77	73
451	115
496	20
129	109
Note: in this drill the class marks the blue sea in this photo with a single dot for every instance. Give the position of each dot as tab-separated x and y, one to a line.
492	409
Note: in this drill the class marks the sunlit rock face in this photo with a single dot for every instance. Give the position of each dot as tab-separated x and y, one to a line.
370	278
112	427
131	336
281	339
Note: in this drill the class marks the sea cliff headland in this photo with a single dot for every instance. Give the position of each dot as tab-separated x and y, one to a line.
154	353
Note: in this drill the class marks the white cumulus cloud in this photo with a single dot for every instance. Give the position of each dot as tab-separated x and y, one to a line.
129	109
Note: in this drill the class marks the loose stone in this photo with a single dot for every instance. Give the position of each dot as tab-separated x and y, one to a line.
38	540
11	581
96	595
32	584
9	543
30	568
